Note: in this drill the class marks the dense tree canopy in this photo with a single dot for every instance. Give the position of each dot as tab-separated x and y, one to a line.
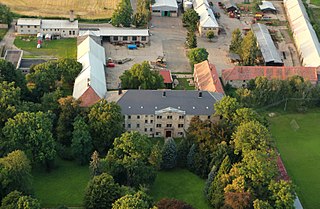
191	40
6	16
142	14
122	15
197	55
169	154
249	49
141	76
236	42
190	19
16	200
172	204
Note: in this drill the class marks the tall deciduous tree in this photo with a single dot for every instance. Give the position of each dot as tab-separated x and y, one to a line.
122	16
101	192
249	49
236	42
197	55
169	154
81	141
190	18
191	40
105	122
226	107
129	160
31	132
143	14
141	76
6	16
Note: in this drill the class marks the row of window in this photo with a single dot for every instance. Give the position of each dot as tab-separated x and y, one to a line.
29	26
169	125
158	117
133	38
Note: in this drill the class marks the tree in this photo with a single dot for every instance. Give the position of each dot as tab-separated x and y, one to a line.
122	16
10	201
141	76
282	194
6	16
139	20
31	132
190	18
166	203
236	42
197	55
101	192
226	108
69	69
138	200
15	173
142	14
95	164
210	35
249	49
261	204
27	202
191	40
183	150
237	200
155	158
105	122
9	101
129	160
81	141
169	154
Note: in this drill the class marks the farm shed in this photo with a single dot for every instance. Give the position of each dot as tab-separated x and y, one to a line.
114	35
63	28
230	6
304	35
207	19
165	8
267	6
270	54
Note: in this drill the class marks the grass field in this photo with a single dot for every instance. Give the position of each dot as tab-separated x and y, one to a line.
182	185
64	185
297	137
88	9
63	48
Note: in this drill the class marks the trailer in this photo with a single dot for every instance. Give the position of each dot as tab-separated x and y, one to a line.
132	46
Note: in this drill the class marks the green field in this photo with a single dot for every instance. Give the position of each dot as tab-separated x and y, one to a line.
64	185
180	184
297	137
63	48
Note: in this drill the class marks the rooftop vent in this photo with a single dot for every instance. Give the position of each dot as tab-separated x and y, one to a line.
141	107
200	94
164	94
129	107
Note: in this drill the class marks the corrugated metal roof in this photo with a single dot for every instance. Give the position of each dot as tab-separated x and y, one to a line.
266	44
165	3
89	45
267	5
123	32
28	21
63	24
149	101
304	35
207	18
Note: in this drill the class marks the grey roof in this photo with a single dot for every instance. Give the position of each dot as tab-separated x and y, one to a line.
267	5
148	101
229	4
266	44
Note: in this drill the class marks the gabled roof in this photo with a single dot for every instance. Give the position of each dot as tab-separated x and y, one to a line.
145	102
89	32
207	18
267	5
89	45
166	74
271	72
229	4
29	21
207	78
63	24
266	44
198	3
165	3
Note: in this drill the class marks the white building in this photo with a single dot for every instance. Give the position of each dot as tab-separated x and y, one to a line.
165	8
28	26
207	21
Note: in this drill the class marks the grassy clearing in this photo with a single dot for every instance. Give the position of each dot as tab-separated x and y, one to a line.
63	48
297	138
184	85
2	33
180	184
315	2
88	9
64	185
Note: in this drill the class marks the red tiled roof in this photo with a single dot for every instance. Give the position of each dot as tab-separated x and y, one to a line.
89	98
166	74
207	78
270	72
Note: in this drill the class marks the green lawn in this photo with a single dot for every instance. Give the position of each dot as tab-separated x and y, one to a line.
315	2
184	84
64	185
182	185
62	48
2	33
297	137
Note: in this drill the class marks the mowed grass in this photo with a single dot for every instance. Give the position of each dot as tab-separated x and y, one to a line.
62	48
184	84
180	184
65	185
88	9
297	137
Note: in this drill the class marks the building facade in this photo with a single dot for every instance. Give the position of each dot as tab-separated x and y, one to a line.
165	8
28	26
159	113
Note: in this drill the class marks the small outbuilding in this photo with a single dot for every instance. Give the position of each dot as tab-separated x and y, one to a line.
267	6
165	8
167	78
230	6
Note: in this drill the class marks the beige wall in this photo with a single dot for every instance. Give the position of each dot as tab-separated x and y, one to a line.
149	124
28	29
65	33
203	31
129	39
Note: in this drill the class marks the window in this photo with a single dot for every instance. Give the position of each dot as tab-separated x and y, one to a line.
143	38
70	33
138	116
157	133
129	125
209	116
63	31
169	117
150	129
180	125
55	29
125	38
134	38
158	125
159	116
155	10
35	26
129	116
115	38
21	26
180	133
244	81
230	81
151	121
28	26
21	31
146	116
145	121
181	117
138	125
74	32
145	130
169	125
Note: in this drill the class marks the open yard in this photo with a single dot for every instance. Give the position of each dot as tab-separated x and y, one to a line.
297	137
63	48
64	185
180	184
88	9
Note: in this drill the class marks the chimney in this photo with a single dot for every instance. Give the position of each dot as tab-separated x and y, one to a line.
163	94
71	16
119	91
200	94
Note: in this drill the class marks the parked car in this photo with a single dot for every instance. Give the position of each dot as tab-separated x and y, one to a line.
111	64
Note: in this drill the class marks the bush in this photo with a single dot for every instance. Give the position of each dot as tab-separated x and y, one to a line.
183	150
173	204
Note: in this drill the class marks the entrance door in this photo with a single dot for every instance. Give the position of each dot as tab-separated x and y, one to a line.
168	134
166	13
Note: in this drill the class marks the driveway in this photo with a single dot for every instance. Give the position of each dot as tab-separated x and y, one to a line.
8	39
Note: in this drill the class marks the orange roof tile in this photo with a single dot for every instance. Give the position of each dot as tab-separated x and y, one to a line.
207	78
166	74
270	72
